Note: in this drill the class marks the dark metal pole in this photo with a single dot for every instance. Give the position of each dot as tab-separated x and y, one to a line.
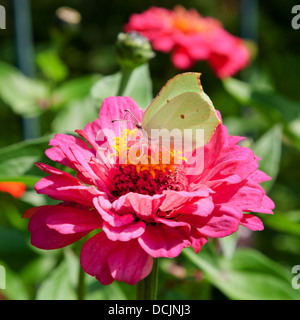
249	28
249	19
25	57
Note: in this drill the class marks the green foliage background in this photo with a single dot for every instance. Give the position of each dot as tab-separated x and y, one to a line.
76	69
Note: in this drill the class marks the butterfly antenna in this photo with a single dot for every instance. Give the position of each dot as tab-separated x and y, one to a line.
137	124
123	120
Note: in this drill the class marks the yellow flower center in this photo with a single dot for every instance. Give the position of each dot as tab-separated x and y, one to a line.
189	21
134	149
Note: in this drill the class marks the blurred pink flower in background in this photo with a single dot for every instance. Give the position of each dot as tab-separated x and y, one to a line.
142	211
191	37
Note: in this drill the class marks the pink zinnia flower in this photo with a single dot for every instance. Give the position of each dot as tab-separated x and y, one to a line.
142	211
191	37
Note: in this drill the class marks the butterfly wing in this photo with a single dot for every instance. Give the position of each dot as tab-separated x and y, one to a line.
181	105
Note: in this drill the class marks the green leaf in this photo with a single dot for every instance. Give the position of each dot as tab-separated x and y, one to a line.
62	283
249	275
268	148
228	245
97	291
139	87
19	158
57	286
266	100
274	107
73	89
75	115
22	94
27	180
15	288
287	222
14	247
38	269
51	65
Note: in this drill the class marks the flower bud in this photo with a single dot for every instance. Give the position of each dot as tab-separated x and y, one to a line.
133	50
67	18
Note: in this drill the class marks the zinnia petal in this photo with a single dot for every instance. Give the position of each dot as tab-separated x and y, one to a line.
162	241
114	260
54	227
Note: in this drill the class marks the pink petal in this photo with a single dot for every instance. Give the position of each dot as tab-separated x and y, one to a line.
115	220
164	43
143	205
185	228
62	186
247	196
114	260
66	143
268	205
114	108
71	220
232	140
56	155
101	170
202	207
181	59
92	130
236	160
222	222
130	263
89	139
102	131
259	176
93	257
228	53
124	233
54	227
195	45
197	240
74	153
212	151
178	199
162	241
252	222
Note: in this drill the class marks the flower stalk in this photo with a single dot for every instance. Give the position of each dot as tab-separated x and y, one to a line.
146	289
81	284
132	50
126	74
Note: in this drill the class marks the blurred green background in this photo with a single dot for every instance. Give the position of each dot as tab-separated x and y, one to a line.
71	63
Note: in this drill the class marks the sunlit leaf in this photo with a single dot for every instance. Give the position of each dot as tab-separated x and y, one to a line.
73	89
287	222
14	247
19	158
139	87
51	65
274	107
249	275
75	115
25	96
268	102
63	281
58	286
268	148
15	287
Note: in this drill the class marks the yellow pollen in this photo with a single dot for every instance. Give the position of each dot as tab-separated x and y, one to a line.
146	162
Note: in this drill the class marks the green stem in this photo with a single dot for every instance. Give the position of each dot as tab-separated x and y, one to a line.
146	289
81	284
126	73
